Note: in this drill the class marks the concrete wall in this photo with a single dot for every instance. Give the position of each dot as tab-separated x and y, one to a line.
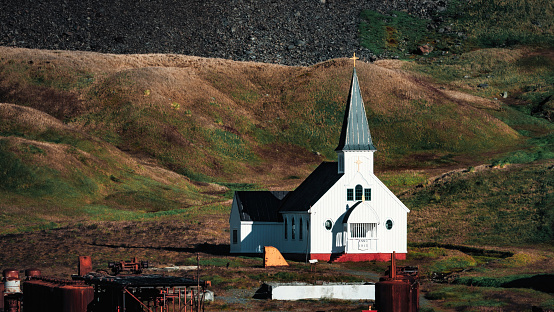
298	291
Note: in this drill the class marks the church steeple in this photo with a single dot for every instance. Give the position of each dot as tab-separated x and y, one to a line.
355	135
355	149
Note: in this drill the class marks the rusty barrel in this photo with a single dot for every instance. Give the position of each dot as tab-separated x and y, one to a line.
397	295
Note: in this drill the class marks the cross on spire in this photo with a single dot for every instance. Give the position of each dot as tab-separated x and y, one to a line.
354	58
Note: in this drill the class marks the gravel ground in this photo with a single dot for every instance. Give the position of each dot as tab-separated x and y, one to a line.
300	32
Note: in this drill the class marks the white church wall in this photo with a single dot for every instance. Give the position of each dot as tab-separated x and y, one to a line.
299	243
333	205
255	235
358	161
388	207
330	206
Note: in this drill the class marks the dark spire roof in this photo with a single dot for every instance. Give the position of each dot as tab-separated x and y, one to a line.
355	129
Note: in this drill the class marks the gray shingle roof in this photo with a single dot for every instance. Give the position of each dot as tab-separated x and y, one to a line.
259	205
355	133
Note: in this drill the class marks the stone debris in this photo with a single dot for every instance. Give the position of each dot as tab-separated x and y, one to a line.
301	32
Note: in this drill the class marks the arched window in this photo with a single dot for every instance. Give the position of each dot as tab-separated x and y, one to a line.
286	228
300	229
359	192
293	229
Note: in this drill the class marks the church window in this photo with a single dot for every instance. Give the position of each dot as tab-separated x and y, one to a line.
300	229
359	190
235	237
389	224
286	228
328	224
362	230
349	194
367	194
293	234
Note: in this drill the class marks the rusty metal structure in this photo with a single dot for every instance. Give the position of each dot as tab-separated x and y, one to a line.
138	293
100	292
132	266
85	265
398	290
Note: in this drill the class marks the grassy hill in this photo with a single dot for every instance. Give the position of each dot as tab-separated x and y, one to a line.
117	156
112	137
86	125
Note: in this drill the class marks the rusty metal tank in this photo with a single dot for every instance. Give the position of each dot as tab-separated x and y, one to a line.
399	290
32	274
56	295
76	298
12	283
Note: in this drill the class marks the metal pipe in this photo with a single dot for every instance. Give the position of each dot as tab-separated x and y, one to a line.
125	289
393	266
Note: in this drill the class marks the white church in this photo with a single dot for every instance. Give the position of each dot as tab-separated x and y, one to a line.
341	212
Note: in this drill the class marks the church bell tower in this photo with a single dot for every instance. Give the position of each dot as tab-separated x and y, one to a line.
355	149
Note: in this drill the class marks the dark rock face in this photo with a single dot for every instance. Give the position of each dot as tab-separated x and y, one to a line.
300	32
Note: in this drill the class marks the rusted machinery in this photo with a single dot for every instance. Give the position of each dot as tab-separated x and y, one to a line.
145	293
398	291
132	266
100	292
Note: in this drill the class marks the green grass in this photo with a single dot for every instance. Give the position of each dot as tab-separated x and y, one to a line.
469	298
451	264
505	207
462	27
492	23
463	297
396	33
399	181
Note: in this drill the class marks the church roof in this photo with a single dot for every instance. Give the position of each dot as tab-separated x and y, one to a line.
312	189
355	133
259	205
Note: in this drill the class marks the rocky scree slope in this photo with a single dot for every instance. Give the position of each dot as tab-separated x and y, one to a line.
301	32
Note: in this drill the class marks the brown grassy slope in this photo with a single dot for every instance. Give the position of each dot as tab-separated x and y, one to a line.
55	173
240	121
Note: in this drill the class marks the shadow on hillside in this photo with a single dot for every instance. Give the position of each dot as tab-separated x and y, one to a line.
212	249
541	282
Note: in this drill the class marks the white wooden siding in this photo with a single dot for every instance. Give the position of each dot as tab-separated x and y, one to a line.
255	235
333	205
